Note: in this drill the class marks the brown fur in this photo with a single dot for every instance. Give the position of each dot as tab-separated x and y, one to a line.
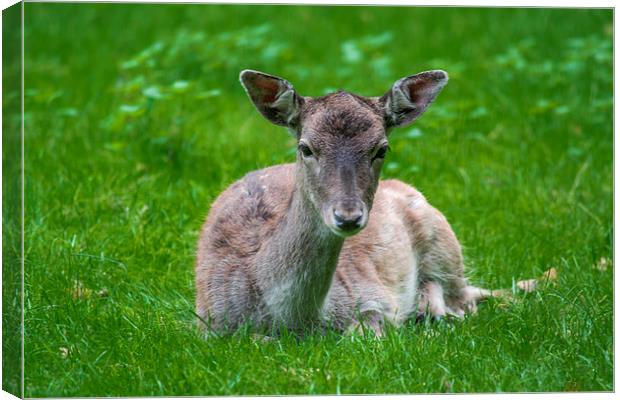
271	251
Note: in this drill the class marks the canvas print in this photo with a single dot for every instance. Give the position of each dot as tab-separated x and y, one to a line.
225	200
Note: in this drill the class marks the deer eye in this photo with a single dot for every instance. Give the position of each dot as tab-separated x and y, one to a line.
380	154
305	150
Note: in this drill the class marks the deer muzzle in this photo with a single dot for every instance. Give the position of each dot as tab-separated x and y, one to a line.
346	218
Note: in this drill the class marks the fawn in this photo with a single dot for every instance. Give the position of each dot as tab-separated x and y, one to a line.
323	240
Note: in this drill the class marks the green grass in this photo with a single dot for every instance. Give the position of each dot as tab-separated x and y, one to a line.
11	201
135	121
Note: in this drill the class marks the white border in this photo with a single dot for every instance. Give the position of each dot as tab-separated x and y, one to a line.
458	3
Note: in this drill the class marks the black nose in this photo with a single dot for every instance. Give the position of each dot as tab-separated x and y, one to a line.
348	220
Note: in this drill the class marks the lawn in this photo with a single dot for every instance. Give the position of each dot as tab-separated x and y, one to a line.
135	121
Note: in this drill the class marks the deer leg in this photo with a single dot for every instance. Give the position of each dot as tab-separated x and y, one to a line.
371	318
444	290
372	321
473	295
433	303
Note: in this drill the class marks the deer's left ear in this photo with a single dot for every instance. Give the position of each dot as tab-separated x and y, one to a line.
411	96
273	97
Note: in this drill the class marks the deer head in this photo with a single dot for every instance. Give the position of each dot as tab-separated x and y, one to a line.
342	138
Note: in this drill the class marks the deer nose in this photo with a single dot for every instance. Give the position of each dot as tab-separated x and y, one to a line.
348	220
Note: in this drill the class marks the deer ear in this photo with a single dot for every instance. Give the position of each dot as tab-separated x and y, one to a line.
411	96
274	97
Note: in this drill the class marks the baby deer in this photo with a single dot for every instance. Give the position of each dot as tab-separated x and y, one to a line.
324	241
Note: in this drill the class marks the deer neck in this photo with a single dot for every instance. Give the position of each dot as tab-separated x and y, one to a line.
301	259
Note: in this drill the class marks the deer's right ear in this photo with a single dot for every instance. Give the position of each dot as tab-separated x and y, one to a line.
274	97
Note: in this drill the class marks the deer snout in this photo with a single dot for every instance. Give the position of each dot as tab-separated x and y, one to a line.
348	221
348	218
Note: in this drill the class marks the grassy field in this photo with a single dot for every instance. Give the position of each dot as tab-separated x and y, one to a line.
135	122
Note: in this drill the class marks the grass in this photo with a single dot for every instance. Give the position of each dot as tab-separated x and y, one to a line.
135	121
